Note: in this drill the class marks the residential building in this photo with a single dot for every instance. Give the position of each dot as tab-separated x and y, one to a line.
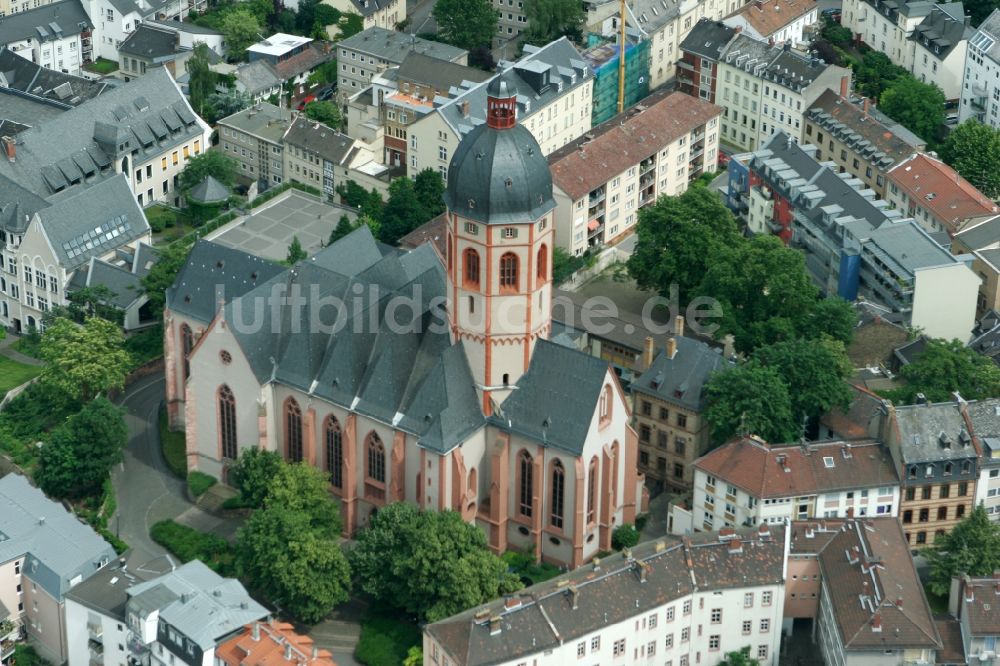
980	85
292	59
185	615
936	196
775	22
554	104
189	34
981	240
605	177
511	20
459	406
46	552
257	80
886	28
767	89
374	50
56	36
697	68
986	336
252	137
872	609
938	48
668	401
984	417
385	14
123	279
858	138
603	61
151	46
936	457
855	243
144	129
114	20
679	602
749	481
34	94
973	602
272	643
312	153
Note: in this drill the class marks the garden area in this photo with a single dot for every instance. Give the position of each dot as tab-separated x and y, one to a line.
188	544
102	66
386	638
14	373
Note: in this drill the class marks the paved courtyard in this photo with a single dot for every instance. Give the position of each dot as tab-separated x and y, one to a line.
269	231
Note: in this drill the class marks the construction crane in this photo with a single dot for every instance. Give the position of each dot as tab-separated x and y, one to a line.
621	57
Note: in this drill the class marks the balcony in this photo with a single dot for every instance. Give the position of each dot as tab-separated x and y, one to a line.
596	197
96	649
978	103
683	64
696	152
95	631
596	231
646	166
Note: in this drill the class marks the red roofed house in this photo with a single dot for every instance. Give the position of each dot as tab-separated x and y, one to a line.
932	193
271	644
976	604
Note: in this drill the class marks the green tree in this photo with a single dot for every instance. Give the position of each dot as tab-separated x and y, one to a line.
972	547
945	366
92	302
624	536
739	658
973	150
82	361
162	275
763	289
831	316
678	239
79	453
201	81
549	20
403	212
918	106
466	23
429	187
429	563
414	657
349	25
979	9
814	371
355	196
326	113
343	228
303	488
875	73
212	163
227	103
253	472
240	28
295	252
750	399
327	72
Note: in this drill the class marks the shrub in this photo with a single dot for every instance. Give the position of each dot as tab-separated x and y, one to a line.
385	640
641	520
190	544
199	482
173	445
624	536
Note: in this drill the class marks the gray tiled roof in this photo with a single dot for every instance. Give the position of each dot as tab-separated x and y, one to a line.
256	77
982	234
45	90
209	190
944	28
317	138
150	42
45	23
125	285
393	46
197	602
441	74
107	590
708	38
264	121
910	246
17	206
920	429
59	547
991	28
681	380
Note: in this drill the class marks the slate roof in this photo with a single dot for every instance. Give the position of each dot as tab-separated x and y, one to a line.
57	547
773	15
197	602
433	231
981	234
875	551
73	150
17	206
782	65
542	617
46	23
107	590
978	604
264	121
990	27
627	139
944	28
764	470
209	190
150	42
986	336
681	380
371	7
556	399
938	188
256	77
438	73
707	39
125	285
42	85
920	428
393	46
317	138
213	272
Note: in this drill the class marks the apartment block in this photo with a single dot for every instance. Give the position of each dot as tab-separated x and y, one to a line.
602	179
980	80
777	22
936	196
668	405
749	481
312	152
972	602
385	14
858	138
697	68
689	602
981	240
553	94
767	89
56	36
253	137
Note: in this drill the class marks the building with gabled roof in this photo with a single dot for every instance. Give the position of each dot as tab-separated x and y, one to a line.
979	82
775	22
271	643
386	14
407	393
973	602
644	601
698	66
56	36
938	46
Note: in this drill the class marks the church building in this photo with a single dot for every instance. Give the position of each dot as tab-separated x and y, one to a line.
408	376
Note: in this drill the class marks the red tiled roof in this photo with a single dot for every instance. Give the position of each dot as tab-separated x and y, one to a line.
433	231
626	140
274	641
937	187
771	16
764	471
311	57
857	420
980	605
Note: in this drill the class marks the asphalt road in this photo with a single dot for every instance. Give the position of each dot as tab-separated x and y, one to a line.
147	491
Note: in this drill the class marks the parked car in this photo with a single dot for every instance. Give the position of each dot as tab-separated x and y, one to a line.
301	105
325	94
832	13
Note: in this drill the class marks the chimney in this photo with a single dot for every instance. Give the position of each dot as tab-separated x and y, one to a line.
464	106
315	652
877	622
899	602
671	347
845	86
679	325
970	595
866	105
288	651
255	632
10	145
735	547
648	352
495	625
574	595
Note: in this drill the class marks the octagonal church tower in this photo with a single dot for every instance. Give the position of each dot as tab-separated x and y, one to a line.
500	241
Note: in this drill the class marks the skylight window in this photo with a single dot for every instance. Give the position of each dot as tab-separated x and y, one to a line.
828	461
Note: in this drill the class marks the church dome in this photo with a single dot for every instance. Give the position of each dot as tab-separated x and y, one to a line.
498	174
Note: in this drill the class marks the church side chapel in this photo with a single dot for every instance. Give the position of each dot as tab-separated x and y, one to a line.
457	401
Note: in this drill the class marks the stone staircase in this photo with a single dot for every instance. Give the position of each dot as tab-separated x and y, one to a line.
211	500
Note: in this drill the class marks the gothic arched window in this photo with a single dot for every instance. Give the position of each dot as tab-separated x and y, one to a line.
526	489
558	494
334	440
293	431
376	458
227	422
508	272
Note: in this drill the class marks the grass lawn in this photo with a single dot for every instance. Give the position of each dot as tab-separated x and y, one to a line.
199	482
523	565
386	637
173	447
13	374
102	66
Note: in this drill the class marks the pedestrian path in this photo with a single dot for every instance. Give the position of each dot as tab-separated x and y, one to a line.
7	349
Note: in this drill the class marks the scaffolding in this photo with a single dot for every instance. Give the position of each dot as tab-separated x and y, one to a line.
603	61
